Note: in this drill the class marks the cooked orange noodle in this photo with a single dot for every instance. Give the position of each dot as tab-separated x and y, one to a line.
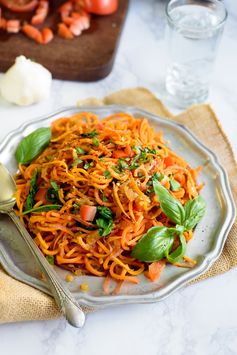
94	177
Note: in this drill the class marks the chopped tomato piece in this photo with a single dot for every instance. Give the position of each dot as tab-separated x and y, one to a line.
64	32
47	35
128	150
41	196
155	269
13	26
41	13
33	33
122	153
101	7
87	213
119	154
169	161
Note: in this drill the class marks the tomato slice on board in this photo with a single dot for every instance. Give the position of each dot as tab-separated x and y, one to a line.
20	5
101	7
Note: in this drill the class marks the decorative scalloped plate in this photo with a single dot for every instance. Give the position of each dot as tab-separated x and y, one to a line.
205	247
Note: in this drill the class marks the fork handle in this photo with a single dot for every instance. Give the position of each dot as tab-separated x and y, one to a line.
63	297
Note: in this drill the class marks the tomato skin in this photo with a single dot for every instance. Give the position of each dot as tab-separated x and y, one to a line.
87	212
41	196
16	7
101	7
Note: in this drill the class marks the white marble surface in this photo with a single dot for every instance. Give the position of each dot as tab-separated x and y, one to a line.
199	319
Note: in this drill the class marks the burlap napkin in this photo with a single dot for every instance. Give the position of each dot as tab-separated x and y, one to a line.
19	302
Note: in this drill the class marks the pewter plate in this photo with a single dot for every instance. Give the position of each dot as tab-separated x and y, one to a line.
205	247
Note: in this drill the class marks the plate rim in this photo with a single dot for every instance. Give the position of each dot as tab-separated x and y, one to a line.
181	280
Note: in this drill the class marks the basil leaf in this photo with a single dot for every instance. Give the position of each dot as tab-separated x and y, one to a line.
88	165
174	185
171	207
43	208
116	169
107	174
76	162
96	142
194	211
158	176
50	259
105	212
105	220
80	150
30	201
154	245
177	253
91	134
122	164
149	150
104	198
105	226
32	145
52	193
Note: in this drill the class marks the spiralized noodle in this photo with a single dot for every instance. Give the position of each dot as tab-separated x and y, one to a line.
95	178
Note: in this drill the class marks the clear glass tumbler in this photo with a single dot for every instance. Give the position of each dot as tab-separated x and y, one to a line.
193	33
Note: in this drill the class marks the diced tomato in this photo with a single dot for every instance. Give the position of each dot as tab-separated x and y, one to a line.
128	150
122	153
87	213
169	161
47	35
101	7
64	32
33	33
20	5
41	196
155	269
119	154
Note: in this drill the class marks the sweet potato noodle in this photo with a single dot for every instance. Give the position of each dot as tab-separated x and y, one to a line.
108	162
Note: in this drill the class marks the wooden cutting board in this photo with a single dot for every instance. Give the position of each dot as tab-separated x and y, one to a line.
89	57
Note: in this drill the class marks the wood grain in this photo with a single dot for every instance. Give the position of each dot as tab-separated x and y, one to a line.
89	57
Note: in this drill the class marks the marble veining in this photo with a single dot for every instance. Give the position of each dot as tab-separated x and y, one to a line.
197	320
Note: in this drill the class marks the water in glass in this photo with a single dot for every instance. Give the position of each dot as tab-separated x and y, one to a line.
193	35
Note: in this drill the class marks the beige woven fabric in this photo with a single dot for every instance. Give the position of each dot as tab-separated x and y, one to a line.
20	302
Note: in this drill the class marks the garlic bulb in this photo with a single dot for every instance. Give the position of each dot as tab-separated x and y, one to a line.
26	82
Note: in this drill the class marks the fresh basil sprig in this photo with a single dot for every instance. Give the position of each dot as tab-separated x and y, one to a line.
194	211
154	245
30	200
44	208
171	207
32	145
157	243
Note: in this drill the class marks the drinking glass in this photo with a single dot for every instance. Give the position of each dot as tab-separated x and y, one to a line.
193	33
